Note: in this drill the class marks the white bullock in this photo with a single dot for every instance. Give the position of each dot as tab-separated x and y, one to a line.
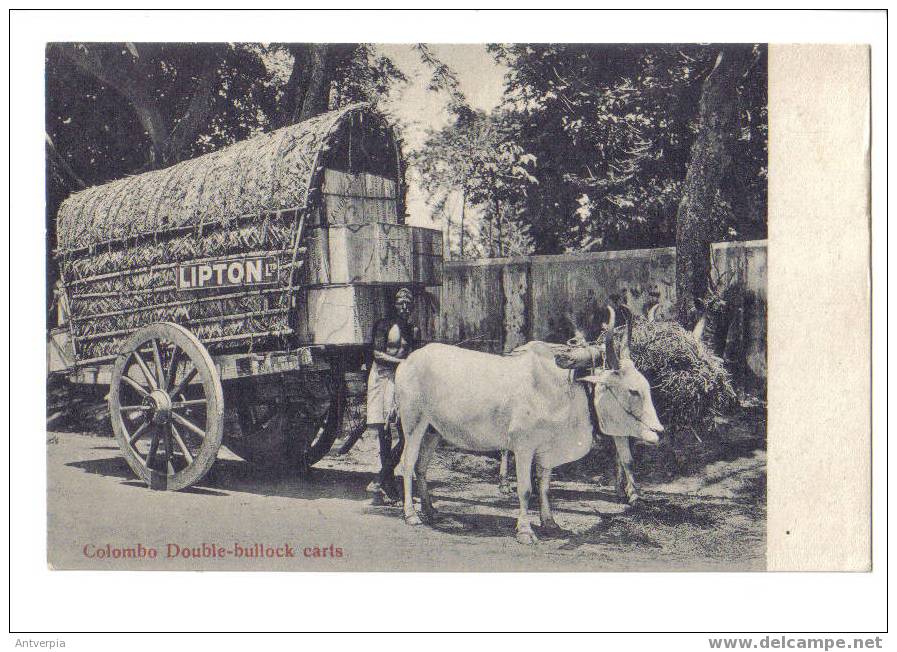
521	402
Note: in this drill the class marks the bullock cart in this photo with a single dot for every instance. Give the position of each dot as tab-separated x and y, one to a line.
228	299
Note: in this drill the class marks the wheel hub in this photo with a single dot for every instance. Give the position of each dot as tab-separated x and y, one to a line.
159	404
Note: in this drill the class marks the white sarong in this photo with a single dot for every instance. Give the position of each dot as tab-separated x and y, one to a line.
381	393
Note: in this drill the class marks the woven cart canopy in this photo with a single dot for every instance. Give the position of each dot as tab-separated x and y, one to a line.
274	171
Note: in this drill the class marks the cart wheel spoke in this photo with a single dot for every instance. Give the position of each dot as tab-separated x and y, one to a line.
177	405
143	368
180	442
189	425
154	447
169	467
134	408
184	382
157	358
172	366
139	433
140	389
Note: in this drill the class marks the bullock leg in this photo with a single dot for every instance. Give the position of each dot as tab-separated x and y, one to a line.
391	461
549	526
504	486
523	463
427	448
620	479
625	478
413	440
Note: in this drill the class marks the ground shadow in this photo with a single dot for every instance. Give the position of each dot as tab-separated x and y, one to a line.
502	504
659	510
474	525
235	475
199	491
612	530
582	495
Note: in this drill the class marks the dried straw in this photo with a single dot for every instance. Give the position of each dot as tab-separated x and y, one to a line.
269	172
119	243
689	384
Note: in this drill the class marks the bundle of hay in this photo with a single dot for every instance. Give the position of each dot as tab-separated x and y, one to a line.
689	384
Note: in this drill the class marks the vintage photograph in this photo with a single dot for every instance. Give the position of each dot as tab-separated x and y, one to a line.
406	307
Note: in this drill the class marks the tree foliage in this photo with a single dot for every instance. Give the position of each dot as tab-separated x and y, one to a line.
477	160
611	128
115	109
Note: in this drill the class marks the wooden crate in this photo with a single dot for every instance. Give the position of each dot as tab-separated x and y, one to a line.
426	249
341	315
359	198
346	314
362	254
60	351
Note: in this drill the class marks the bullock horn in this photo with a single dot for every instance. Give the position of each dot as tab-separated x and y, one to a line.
610	356
611	318
698	331
652	312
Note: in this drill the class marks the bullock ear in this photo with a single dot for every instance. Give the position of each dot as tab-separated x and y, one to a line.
599	379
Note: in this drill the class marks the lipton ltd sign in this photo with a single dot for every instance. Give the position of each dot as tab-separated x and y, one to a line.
227	273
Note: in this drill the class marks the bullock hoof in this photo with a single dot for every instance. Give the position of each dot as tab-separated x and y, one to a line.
527	538
635	501
430	514
413	519
551	529
505	488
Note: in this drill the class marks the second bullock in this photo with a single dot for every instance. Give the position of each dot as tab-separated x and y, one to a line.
522	402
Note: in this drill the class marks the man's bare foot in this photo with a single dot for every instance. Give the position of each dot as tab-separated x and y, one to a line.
384	498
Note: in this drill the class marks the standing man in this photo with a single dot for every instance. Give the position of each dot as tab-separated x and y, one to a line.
393	339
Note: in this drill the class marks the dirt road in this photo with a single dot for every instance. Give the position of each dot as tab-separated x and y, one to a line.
712	520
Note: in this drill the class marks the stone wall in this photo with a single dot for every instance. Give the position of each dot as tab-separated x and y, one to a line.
746	261
497	304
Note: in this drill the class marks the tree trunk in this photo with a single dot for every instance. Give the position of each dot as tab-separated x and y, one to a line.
317	94
297	85
448	232
497	223
717	123
184	132
130	78
463	207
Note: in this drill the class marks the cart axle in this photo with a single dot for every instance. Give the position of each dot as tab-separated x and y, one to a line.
159	404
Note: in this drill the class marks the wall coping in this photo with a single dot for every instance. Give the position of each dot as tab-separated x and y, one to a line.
742	244
620	254
575	257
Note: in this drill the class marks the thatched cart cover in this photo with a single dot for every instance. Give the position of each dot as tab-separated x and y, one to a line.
119	244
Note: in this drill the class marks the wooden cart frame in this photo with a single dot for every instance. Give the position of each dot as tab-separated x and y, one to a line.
320	204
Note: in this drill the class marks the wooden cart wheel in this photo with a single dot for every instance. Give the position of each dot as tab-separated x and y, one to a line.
329	429
168	426
264	438
294	429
